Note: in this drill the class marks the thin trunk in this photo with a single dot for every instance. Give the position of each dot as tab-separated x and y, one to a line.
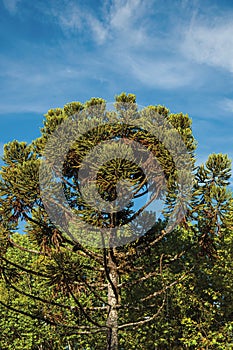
113	301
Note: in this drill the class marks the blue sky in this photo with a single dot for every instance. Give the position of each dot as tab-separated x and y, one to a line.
175	53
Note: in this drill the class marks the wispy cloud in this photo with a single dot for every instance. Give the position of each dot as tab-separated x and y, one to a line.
26	87
121	36
210	41
227	105
114	18
126	16
166	74
124	13
99	31
124	40
75	19
11	5
131	41
70	17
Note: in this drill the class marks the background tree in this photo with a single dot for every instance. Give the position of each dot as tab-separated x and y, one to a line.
17	330
112	295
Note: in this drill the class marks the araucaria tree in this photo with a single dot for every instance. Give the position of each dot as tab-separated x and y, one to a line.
102	270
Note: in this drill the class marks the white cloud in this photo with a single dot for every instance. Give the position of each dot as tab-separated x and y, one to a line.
74	18
70	17
129	23
124	13
99	32
130	45
11	5
125	34
227	105
46	83
166	74
118	20
210	43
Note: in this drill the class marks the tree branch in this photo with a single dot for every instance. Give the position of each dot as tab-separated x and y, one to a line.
25	269
142	322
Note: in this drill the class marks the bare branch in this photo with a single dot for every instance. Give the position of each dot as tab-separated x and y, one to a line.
12	242
142	322
166	287
137	281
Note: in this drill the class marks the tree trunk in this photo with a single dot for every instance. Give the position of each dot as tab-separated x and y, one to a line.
113	301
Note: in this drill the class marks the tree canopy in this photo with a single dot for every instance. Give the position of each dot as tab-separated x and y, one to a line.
96	267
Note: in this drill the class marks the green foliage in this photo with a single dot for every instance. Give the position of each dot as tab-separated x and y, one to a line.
173	291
